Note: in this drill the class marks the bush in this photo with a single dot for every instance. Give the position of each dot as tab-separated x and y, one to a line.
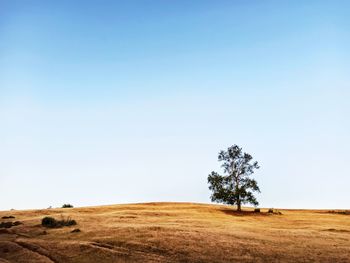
273	211
67	206
53	223
7	217
257	210
49	221
344	212
10	224
6	225
68	222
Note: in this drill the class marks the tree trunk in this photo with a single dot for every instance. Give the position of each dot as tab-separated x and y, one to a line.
237	193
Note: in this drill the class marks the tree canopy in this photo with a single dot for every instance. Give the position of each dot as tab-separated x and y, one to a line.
235	187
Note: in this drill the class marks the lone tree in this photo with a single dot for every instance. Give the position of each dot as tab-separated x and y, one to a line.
236	187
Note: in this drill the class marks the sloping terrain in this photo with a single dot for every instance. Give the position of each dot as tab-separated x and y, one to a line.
176	232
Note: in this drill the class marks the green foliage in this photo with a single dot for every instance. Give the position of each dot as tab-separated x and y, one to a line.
235	187
67	206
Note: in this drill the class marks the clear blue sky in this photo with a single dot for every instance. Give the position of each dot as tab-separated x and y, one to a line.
106	102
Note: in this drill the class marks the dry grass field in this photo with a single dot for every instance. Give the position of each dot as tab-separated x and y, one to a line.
176	232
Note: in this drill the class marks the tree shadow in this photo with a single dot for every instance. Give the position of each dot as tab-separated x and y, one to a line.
233	212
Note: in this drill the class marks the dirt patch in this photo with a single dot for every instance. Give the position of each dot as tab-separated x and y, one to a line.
4	231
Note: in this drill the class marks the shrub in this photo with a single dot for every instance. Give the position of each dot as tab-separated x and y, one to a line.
67	206
53	223
7	217
257	210
68	222
344	212
49	222
10	224
6	225
274	211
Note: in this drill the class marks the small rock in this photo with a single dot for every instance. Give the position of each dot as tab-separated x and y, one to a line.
75	230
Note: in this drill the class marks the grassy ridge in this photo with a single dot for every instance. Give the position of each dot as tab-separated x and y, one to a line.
177	232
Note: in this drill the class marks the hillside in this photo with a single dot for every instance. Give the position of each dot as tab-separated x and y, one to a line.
176	232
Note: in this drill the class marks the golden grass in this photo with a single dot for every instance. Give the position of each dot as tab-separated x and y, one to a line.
177	232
